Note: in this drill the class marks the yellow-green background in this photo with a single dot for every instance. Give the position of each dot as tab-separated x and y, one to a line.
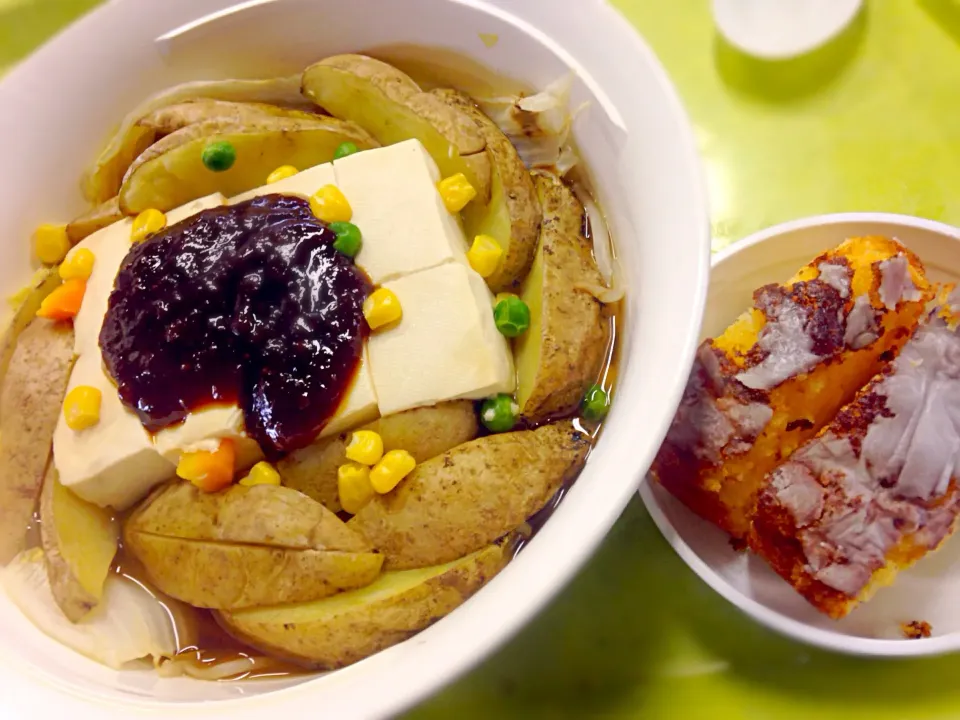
871	122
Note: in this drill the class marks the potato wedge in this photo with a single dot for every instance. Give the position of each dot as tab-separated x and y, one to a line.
343	629
423	432
102	181
171	172
267	515
562	351
103	215
390	106
471	495
228	576
513	215
166	120
26	302
79	541
32	396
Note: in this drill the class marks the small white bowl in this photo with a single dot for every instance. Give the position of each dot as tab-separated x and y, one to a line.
930	590
59	105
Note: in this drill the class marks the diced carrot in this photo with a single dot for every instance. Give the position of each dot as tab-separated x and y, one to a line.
209	471
64	302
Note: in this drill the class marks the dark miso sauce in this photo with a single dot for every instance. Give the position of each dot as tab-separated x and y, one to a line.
247	304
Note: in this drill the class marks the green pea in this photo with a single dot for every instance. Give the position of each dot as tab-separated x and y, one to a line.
596	403
344	149
511	316
499	413
219	156
348	240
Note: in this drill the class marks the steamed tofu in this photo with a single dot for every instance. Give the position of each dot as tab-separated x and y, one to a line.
204	429
303	184
113	463
405	225
360	405
446	345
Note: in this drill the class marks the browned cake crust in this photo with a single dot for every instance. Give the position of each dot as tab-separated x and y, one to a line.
876	490
783	370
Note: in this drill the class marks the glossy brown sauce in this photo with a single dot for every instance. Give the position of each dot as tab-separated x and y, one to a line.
247	304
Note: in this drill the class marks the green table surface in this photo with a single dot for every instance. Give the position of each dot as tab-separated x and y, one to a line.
870	122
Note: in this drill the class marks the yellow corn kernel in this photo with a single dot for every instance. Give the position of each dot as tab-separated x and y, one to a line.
392	468
281	173
81	407
365	447
353	487
456	191
78	265
484	255
146	224
330	205
263	473
51	244
381	307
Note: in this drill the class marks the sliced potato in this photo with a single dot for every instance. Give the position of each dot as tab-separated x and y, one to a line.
343	629
513	215
391	107
30	403
26	303
79	541
102	181
103	215
471	495
267	515
562	351
171	172
423	432
166	120
229	576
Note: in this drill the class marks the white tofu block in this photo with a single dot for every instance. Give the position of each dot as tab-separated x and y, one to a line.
446	345
113	463
396	205
358	407
303	184
109	247
204	429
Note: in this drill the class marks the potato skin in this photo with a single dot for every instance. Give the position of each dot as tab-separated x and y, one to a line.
563	351
517	195
100	533
392	107
268	515
228	576
99	217
32	396
423	432
44	282
342	630
170	118
170	172
471	495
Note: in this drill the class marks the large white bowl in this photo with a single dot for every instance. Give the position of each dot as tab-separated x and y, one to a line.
930	590
57	108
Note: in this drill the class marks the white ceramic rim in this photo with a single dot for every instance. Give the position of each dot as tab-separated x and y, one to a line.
818	637
47	696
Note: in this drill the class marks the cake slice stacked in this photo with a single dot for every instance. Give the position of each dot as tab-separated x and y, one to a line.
823	426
